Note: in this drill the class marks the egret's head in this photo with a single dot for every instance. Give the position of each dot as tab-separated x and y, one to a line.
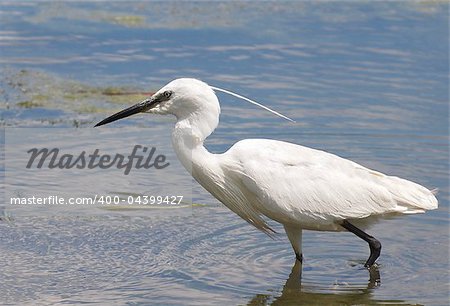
181	97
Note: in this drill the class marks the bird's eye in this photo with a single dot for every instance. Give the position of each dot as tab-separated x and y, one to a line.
167	94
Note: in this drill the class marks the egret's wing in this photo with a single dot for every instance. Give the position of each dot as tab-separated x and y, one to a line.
226	186
291	183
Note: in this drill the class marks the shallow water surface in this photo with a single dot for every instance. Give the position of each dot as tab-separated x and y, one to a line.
366	81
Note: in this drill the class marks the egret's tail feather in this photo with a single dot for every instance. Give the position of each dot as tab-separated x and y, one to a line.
412	198
435	191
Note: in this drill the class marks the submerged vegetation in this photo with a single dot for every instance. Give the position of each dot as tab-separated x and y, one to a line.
28	89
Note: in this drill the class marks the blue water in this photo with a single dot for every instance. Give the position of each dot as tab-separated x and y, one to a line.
366	81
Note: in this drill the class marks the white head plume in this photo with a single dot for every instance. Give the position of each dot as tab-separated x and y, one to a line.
252	102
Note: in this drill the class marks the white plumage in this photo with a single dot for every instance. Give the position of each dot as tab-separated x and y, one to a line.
299	187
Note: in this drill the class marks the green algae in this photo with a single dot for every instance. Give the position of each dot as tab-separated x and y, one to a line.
34	89
128	20
28	104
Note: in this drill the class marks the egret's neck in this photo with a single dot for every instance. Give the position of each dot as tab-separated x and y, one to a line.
188	137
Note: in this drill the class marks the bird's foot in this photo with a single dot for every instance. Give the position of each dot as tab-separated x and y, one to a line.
370	266
375	265
374	276
375	250
299	257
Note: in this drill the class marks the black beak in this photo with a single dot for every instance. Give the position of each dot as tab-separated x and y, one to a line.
137	108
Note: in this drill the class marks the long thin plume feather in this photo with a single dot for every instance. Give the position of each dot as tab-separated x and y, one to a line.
251	101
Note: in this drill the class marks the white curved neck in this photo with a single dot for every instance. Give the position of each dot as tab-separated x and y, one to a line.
188	137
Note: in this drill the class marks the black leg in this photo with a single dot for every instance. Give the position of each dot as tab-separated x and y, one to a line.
299	257
374	244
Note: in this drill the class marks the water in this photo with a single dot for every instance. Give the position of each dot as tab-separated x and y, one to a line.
367	81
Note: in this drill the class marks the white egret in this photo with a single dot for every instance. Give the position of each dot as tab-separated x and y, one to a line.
299	187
